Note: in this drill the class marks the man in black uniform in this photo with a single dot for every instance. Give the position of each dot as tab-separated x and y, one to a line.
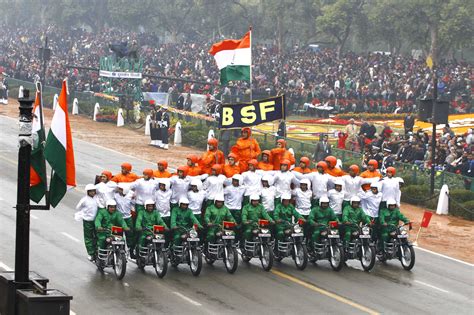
164	125
408	123
3	90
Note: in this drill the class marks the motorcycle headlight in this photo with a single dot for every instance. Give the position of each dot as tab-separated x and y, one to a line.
403	231
297	228
158	236
265	231
229	232
365	230
334	232
193	234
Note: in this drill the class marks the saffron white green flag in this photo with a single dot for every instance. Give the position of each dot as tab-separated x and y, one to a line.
38	164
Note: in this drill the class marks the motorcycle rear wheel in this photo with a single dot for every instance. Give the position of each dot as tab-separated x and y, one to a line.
160	263
231	259
301	256
120	265
337	258
408	259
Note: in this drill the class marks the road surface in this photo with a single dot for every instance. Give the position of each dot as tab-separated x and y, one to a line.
436	284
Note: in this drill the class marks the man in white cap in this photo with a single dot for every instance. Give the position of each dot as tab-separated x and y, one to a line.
303	196
196	197
234	197
125	205
370	201
336	197
87	210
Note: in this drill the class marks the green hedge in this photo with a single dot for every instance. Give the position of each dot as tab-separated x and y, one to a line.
415	194
461	195
464	210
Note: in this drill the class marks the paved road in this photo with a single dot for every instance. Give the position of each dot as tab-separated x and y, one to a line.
435	285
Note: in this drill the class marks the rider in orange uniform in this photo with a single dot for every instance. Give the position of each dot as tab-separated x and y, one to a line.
371	172
126	175
332	169
303	168
211	157
280	153
266	163
246	148
162	171
193	167
231	168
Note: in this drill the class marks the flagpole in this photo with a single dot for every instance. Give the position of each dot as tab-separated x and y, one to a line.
251	79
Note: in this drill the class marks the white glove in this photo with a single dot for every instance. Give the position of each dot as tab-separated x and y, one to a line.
159	123
164	124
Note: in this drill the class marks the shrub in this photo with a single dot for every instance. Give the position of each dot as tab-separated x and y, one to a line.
371	116
461	195
415	194
464	210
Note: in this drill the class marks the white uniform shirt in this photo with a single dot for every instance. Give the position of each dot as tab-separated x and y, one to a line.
319	184
179	187
335	200
302	200
195	200
252	182
370	203
268	198
88	206
282	182
144	190
105	192
162	202
233	197
390	188
125	204
213	186
352	186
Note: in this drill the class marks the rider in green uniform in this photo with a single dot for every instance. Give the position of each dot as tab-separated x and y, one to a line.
182	219
353	215
284	212
319	219
389	218
106	218
215	215
251	213
146	219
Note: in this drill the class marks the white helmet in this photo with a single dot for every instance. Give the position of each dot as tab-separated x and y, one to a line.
374	185
196	182
149	202
238	177
111	202
166	182
285	196
307	182
90	187
268	178
338	182
391	201
219	197
183	200
323	199
254	197
355	199
125	188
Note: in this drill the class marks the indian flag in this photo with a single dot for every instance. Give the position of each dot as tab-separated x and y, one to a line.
59	151
38	164
234	58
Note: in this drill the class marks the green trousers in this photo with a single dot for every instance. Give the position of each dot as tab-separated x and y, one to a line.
280	230
131	235
90	237
101	236
247	230
316	234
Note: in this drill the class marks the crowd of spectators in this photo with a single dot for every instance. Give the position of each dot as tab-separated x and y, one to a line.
369	82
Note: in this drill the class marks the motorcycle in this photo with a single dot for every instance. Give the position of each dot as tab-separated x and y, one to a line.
361	247
225	248
188	252
114	255
293	245
330	248
154	252
398	247
260	246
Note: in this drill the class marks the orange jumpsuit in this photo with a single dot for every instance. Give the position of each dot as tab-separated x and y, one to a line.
266	166
335	171
230	170
369	174
246	149
159	174
209	159
280	154
129	178
305	170
194	170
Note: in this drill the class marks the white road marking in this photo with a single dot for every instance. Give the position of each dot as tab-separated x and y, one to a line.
34	217
5	267
431	286
126	284
71	312
184	297
1	199
69	236
444	256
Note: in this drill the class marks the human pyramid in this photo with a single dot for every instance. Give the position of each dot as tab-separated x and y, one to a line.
208	191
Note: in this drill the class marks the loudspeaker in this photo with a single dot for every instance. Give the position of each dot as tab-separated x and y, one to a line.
425	112
441	112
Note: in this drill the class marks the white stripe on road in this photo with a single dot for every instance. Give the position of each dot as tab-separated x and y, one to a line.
444	256
126	284
71	313
71	237
184	297
34	217
5	267
1	199
431	286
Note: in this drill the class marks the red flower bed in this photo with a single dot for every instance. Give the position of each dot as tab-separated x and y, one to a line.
323	121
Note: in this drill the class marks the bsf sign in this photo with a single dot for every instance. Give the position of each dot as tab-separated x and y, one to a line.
251	114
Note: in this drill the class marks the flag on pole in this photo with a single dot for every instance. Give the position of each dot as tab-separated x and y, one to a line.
59	151
234	58
426	219
38	164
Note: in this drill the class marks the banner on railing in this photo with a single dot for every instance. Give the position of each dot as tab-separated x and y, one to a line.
252	114
120	75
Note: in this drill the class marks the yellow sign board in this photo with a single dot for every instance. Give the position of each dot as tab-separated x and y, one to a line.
429	62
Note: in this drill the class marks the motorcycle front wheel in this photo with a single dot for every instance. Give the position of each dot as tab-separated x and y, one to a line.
231	259
266	257
407	257
337	258
367	258
160	263
120	265
301	256
195	261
